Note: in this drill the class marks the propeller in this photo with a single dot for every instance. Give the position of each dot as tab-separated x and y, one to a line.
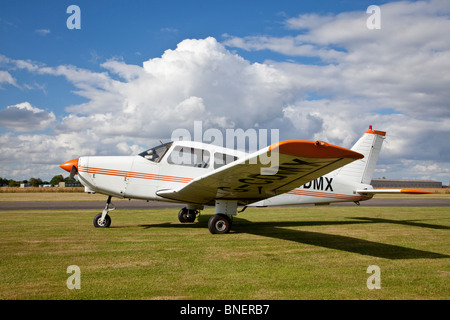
71	166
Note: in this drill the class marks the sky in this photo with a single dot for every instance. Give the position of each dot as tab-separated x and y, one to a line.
117	77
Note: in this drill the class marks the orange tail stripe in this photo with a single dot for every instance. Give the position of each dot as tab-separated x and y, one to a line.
323	194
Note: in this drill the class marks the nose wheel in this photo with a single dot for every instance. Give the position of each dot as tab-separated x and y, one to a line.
103	220
102	223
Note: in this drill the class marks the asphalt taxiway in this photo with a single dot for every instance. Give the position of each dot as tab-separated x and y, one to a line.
139	204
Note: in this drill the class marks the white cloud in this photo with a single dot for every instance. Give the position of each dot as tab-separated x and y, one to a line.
5	77
42	32
199	80
23	117
291	46
308	21
398	67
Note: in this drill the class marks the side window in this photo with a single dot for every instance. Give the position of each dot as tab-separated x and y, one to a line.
221	159
186	156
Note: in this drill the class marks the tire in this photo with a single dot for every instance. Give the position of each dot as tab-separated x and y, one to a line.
183	215
219	224
186	215
105	224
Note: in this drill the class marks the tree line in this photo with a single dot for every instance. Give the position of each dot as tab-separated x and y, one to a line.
36	182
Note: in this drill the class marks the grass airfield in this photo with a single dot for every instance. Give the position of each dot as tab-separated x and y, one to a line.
287	253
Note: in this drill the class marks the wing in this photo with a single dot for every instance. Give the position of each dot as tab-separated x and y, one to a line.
273	170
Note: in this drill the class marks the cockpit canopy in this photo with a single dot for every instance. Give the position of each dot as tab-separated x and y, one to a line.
197	155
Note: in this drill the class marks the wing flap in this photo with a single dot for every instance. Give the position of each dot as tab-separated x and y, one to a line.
253	178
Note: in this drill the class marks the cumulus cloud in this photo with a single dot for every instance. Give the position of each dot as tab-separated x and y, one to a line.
23	117
393	77
131	107
199	80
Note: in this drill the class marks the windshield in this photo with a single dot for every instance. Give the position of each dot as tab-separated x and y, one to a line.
157	153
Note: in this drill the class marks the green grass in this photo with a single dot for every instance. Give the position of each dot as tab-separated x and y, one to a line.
271	253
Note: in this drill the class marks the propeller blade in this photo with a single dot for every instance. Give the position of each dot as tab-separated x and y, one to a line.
73	172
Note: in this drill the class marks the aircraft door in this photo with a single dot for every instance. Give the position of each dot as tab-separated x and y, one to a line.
142	180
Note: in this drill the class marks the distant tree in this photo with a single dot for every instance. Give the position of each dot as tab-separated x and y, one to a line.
56	180
13	183
35	182
68	180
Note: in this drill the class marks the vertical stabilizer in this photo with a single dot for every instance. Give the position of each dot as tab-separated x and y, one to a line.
362	170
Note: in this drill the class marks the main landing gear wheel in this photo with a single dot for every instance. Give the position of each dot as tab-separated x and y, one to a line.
99	223
187	215
219	224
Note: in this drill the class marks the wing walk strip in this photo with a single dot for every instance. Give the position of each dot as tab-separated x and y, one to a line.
137	175
324	195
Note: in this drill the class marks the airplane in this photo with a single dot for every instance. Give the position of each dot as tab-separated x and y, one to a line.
199	174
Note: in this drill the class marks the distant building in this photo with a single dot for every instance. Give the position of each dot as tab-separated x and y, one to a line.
70	184
390	183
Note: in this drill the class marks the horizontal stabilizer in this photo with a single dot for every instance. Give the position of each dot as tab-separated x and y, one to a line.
392	191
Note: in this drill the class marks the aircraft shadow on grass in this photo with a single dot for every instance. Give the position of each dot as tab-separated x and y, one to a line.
279	230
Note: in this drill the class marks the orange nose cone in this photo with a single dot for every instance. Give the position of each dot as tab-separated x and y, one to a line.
69	164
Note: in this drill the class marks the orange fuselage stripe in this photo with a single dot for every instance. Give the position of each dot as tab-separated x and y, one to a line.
131	174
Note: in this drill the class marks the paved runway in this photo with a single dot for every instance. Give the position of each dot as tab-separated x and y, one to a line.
138	204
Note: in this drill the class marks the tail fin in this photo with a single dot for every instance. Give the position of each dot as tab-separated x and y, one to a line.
362	170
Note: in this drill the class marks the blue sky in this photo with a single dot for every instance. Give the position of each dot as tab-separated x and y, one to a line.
311	69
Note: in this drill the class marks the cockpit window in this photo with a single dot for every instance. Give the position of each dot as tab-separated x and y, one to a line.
187	156
157	153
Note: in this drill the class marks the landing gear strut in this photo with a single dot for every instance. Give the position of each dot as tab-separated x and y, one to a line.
103	220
